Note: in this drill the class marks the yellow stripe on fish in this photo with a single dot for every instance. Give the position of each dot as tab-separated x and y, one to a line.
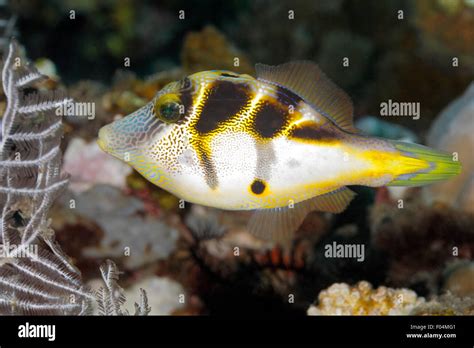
282	144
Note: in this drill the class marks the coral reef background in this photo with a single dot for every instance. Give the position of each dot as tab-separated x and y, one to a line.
419	242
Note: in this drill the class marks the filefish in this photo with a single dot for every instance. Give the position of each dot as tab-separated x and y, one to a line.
282	144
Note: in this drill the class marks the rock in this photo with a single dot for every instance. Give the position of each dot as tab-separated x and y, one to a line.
128	234
420	240
209	49
445	30
362	299
453	132
88	165
447	304
47	67
459	279
163	295
142	241
103	200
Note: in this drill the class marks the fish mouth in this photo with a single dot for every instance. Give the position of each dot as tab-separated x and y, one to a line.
105	140
117	144
101	144
101	140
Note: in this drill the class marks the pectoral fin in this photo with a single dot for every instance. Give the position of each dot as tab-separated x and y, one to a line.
279	224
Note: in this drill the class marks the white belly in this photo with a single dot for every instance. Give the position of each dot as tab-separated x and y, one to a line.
294	171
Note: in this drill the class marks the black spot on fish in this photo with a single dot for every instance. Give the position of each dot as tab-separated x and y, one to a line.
313	132
225	99
186	84
209	170
229	75
287	97
270	119
186	100
258	186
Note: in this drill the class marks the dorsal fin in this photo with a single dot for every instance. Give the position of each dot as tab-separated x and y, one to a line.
308	81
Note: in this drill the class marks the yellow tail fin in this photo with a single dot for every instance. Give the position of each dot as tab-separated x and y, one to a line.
440	166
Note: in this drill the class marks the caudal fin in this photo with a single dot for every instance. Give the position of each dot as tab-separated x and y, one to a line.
436	165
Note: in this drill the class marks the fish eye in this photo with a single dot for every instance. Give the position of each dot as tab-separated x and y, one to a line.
167	110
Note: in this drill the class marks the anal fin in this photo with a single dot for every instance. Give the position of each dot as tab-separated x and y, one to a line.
332	202
280	224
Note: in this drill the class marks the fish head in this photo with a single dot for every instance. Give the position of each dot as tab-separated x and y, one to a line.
151	138
173	140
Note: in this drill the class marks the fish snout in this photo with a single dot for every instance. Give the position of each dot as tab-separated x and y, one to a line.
103	138
127	134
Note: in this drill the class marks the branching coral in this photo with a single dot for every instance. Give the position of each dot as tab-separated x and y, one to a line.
111	298
35	276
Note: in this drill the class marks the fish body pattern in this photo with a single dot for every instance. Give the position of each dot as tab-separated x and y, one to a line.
282	144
